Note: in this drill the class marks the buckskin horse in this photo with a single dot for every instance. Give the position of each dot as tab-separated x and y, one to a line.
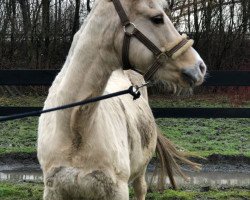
95	151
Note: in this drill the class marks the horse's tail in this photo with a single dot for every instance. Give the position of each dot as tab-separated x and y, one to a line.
168	156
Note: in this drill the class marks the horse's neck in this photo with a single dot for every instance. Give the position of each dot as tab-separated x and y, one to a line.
90	62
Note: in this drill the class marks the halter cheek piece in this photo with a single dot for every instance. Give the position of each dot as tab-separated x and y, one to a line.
160	57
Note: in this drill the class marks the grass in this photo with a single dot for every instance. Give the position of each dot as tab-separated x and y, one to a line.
204	137
20	191
232	194
199	136
18	136
33	191
27	100
209	136
201	101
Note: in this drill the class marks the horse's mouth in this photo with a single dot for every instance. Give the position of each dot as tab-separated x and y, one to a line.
191	82
188	81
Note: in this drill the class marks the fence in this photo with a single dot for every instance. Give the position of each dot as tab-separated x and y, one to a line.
215	78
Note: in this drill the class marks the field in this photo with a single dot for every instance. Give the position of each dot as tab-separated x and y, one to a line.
33	191
202	137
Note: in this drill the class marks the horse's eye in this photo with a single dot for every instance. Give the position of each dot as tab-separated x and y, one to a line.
158	19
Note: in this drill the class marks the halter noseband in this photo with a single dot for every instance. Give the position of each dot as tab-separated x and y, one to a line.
160	57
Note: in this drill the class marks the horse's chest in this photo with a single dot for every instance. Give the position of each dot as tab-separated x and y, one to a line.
130	130
143	130
142	135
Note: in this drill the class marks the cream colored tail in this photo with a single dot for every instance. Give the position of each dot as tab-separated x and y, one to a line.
168	156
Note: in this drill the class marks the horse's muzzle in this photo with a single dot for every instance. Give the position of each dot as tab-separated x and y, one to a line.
195	76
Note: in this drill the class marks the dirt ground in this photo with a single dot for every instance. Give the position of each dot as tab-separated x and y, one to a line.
26	165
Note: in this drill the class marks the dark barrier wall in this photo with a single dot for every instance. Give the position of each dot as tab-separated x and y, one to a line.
215	78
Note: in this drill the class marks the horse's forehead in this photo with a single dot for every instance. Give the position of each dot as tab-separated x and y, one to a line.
149	7
155	3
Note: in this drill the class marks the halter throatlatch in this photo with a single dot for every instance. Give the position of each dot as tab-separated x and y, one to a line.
171	51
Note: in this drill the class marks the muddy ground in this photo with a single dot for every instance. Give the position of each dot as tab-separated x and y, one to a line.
222	178
213	162
217	170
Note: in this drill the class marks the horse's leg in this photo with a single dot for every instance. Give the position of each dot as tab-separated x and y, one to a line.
52	190
140	187
122	191
75	183
52	194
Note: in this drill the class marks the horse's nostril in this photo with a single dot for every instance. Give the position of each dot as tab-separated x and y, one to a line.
202	67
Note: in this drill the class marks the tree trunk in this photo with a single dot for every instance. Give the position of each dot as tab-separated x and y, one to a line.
46	31
245	16
13	28
3	32
189	22
208	16
248	16
76	19
221	19
24	5
196	22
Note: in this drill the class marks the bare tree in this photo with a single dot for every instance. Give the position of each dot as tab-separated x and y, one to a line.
76	18
38	33
46	30
25	9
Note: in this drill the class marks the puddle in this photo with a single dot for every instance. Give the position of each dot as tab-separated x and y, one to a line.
21	176
215	179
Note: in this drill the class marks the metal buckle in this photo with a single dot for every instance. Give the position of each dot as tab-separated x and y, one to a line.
129	28
162	57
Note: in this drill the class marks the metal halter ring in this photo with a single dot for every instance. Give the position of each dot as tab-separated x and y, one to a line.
162	57
129	28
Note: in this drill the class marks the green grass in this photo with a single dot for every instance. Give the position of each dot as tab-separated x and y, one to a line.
200	101
18	136
208	136
231	194
200	136
22	101
204	137
33	191
20	191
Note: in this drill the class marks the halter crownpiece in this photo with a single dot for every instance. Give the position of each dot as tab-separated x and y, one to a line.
172	50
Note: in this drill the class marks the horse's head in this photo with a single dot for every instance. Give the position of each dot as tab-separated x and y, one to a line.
183	67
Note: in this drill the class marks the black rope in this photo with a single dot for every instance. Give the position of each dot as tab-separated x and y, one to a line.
133	90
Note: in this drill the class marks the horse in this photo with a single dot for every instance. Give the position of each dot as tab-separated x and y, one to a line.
95	151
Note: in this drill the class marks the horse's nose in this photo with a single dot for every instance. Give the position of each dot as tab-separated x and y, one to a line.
202	68
195	76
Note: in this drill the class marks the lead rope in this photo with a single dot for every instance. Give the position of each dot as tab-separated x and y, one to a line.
133	90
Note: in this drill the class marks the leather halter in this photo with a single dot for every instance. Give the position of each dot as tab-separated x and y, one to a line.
131	30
